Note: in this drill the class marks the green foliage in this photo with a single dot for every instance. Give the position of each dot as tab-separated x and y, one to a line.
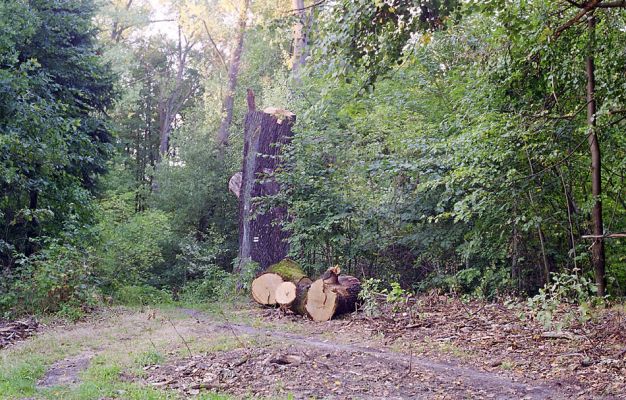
216	284
465	167
396	296
143	295
574	289
248	271
59	278
123	258
53	135
150	357
439	144
370	290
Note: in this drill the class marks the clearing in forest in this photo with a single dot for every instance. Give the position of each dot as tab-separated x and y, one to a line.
446	350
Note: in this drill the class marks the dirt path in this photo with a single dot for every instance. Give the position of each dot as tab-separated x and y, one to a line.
66	371
247	352
309	366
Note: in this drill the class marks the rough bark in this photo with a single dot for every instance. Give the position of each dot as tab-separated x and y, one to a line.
233	75
261	237
597	249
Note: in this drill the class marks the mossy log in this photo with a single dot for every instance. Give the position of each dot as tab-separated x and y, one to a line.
265	285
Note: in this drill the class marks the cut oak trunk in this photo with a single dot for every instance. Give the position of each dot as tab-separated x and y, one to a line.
261	236
264	287
326	300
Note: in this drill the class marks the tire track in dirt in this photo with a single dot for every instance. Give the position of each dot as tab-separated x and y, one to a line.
66	372
495	385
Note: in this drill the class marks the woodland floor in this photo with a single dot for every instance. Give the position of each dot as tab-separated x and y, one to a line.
434	348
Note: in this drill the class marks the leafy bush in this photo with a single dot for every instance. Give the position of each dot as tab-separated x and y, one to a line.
397	296
57	278
473	282
573	289
370	289
142	295
467	280
131	243
219	285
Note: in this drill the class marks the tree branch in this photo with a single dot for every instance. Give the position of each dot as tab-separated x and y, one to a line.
579	5
613	4
587	8
297	10
217	50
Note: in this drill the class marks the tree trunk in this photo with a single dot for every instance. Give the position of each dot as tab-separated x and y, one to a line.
233	74
597	248
326	300
261	237
299	38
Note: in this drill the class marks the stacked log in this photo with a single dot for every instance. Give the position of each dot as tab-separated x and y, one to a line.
286	285
264	286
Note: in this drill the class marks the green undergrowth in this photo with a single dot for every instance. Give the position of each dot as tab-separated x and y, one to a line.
122	342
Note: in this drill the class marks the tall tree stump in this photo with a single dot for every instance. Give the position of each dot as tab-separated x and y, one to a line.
261	236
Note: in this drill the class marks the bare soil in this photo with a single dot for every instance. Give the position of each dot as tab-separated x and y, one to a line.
66	372
435	348
310	366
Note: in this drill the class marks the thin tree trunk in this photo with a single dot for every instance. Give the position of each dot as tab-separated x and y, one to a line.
542	239
597	248
233	75
171	102
299	39
568	204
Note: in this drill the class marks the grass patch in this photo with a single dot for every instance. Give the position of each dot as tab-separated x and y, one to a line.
124	342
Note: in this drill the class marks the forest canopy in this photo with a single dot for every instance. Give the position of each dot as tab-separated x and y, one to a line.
473	147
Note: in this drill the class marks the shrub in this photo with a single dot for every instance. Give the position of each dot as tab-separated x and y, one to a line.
142	295
131	244
573	289
57	278
370	289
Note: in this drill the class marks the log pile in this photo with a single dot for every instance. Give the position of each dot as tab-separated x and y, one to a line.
286	285
14	331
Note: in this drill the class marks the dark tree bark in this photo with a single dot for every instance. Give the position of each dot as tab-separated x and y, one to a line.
261	237
597	248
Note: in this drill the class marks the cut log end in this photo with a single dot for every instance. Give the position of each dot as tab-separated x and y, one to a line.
264	288
321	304
326	300
285	293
